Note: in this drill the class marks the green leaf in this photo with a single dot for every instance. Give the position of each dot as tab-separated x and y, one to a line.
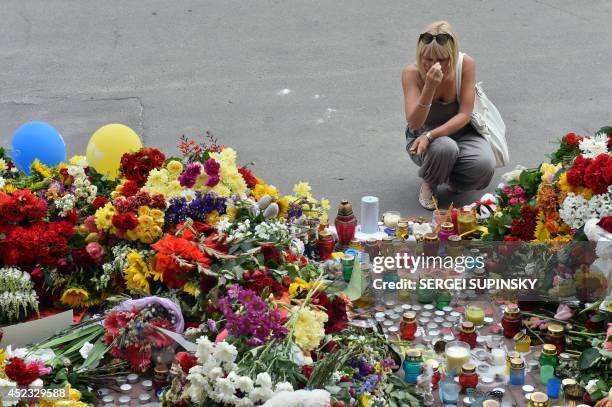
588	358
95	354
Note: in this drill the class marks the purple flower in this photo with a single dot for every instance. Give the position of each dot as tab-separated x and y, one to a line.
189	177
211	167
212	325
234	291
250	316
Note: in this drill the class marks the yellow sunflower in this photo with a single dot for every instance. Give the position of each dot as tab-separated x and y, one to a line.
75	297
136	273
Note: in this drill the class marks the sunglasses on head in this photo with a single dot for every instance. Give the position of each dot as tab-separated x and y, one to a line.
441	39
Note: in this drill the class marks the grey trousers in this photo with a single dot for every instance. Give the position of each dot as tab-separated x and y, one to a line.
464	160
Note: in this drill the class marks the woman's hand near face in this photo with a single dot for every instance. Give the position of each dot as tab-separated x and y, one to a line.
434	76
419	146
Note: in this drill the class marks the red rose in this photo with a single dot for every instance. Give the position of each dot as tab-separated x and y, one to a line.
606	224
99	202
186	361
571	139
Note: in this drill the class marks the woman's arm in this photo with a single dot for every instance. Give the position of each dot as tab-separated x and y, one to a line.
464	115
417	103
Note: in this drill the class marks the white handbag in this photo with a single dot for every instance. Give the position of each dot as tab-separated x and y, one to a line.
486	119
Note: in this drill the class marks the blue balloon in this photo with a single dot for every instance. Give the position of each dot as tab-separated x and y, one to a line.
37	140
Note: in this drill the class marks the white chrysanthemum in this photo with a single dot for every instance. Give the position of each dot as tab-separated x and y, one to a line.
264	380
195	392
224	352
300	398
260	394
244	384
215	373
204	350
244	402
224	390
283	386
593	146
2	182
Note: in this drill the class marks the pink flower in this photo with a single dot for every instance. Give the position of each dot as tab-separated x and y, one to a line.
95	251
42	369
506	190
90	224
518	190
513	201
522	200
608	342
563	312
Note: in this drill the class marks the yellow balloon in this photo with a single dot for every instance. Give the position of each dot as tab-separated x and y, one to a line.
108	144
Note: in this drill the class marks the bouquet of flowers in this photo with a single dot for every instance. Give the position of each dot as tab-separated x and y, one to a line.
131	330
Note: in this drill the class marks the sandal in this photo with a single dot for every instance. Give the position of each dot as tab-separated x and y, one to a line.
426	201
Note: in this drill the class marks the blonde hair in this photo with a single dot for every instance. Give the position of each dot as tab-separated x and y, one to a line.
449	50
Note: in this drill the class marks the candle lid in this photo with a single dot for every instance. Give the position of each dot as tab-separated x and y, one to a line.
124	399
401	224
447	226
568	382
555	329
539	397
430	237
467	326
519	337
491	403
325	234
513	355
549	349
345	208
454	238
409	316
517	363
487	380
387	239
371	240
468	368
413	353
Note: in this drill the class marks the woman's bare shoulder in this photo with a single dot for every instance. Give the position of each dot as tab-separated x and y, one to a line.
410	73
468	62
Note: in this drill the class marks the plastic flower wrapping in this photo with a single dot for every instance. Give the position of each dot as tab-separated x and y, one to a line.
200	248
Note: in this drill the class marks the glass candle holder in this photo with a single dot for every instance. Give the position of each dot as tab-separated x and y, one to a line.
457	354
475	315
449	392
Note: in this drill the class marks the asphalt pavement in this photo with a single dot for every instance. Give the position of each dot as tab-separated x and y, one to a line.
307	90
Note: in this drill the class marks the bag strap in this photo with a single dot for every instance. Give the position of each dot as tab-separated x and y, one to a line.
458	72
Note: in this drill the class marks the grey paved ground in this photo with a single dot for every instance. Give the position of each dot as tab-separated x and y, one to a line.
174	67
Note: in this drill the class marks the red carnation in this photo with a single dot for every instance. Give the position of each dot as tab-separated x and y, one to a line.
136	166
270	254
598	174
606	224
260	280
99	202
19	372
125	221
186	361
248	176
307	370
129	188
